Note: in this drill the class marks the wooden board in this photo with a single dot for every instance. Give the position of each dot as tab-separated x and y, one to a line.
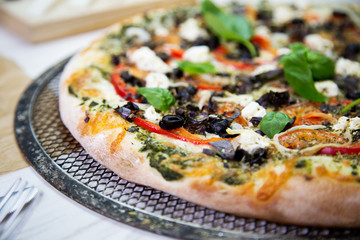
64	19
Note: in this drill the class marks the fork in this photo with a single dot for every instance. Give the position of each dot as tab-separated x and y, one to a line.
15	207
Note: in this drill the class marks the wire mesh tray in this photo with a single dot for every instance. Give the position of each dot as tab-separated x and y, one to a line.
60	160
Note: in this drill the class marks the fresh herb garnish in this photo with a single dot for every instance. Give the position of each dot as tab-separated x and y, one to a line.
273	123
350	105
196	68
300	68
321	66
160	98
228	26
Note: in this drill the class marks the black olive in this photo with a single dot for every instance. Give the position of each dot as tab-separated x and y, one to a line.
150	44
115	60
219	126
339	14
255	121
130	79
351	51
191	90
223	74
178	73
214	42
131	106
169	122
164	56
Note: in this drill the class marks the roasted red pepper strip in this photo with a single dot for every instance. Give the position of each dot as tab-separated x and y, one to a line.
219	55
342	150
177	52
208	87
183	136
261	41
120	86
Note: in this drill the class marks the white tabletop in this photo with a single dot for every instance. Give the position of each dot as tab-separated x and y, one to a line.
56	216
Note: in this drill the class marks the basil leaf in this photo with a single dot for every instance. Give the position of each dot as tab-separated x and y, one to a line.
196	68
273	123
321	66
298	74
160	98
228	26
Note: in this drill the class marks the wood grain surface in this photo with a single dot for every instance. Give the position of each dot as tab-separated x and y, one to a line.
13	82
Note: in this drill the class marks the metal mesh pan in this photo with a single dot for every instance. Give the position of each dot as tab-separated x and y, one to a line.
60	160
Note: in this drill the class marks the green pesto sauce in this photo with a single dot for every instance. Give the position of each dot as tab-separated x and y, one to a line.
158	154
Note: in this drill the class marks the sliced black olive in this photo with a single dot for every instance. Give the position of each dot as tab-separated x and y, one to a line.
219	126
115	60
131	106
130	79
169	122
164	56
255	121
351	51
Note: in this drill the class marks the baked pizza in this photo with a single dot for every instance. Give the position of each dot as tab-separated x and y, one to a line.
246	109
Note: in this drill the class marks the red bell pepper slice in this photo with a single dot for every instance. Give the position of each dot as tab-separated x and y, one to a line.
120	86
180	133
177	52
352	150
261	41
219	55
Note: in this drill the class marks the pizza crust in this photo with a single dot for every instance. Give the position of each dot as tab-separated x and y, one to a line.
319	201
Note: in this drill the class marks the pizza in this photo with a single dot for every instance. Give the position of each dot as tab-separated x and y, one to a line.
246	109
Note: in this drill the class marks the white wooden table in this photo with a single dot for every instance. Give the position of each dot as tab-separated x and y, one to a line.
56	216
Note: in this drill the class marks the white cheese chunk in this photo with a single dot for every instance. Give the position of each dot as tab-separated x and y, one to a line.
157	80
249	140
190	30
320	44
279	40
151	115
283	51
354	123
263	31
242	99
140	34
197	54
253	109
328	88
145	59
342	124
263	68
283	14
347	67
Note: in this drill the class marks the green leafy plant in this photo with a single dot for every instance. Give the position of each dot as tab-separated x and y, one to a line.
196	68
160	98
273	123
228	26
302	66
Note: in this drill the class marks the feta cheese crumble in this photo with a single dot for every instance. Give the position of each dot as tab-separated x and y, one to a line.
283	14
253	109
249	141
190	30
197	54
157	80
342	124
279	40
328	88
347	67
145	59
140	34
320	44
263	68
151	115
